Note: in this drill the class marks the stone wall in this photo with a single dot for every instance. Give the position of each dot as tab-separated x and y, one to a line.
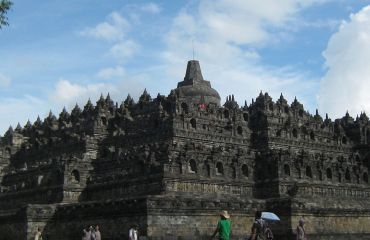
158	218
172	163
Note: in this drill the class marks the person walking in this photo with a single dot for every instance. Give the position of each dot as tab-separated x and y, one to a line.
260	229
97	233
88	233
133	233
93	235
301	231
223	227
84	234
38	234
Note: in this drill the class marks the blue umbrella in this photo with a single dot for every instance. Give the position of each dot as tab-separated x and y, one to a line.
270	216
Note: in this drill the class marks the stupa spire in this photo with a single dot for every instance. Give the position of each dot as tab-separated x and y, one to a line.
193	73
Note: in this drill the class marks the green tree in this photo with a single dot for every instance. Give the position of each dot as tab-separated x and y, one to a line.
4	7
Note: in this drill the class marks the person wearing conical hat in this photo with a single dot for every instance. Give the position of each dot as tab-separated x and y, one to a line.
223	227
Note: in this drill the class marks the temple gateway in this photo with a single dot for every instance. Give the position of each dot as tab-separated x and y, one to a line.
171	163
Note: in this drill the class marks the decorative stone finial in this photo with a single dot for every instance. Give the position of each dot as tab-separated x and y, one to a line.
28	124
193	73
129	101
38	121
76	110
18	128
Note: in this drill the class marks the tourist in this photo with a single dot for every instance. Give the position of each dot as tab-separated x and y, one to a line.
301	232
38	234
88	233
268	232
260	229
97	233
223	227
92	236
84	237
133	233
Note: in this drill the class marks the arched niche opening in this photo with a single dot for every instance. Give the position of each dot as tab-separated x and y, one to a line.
312	136
75	176
278	133
329	174
239	130
192	166
245	117
286	170
185	108
245	170
365	177
271	106
295	133
207	169
193	123
308	172
347	175
104	121
219	168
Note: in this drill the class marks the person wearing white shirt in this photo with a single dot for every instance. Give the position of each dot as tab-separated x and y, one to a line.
132	233
38	235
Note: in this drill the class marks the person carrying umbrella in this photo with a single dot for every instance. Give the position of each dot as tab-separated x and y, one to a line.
223	227
260	229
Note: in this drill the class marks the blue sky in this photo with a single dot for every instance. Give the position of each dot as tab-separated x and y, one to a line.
57	53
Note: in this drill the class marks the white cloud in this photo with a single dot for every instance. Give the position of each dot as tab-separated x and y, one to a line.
68	93
328	23
14	110
112	30
346	83
227	36
115	30
247	21
124	49
151	8
108	73
4	80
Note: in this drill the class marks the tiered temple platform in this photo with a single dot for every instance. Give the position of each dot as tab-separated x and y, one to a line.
171	163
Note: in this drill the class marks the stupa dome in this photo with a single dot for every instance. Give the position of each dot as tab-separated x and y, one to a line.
194	88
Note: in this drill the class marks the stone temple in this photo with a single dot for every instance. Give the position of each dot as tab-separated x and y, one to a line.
171	164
